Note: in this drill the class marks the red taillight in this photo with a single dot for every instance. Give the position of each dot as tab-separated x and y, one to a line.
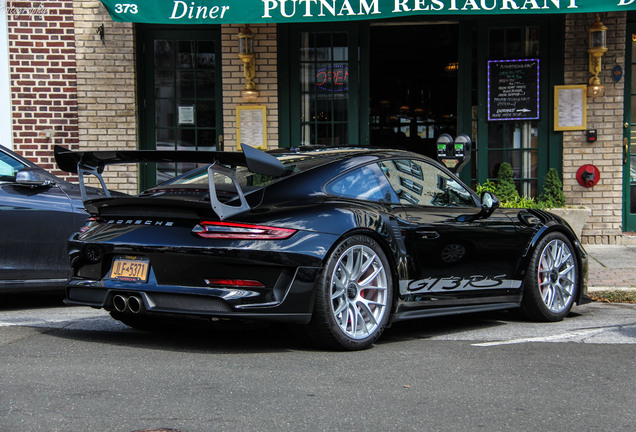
234	283
237	231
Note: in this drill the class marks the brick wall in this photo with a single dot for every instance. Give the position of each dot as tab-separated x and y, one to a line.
106	88
43	79
265	47
604	114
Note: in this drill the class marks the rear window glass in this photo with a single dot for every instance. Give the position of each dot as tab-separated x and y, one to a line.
365	183
247	179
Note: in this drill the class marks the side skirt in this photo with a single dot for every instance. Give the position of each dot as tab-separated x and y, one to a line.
445	311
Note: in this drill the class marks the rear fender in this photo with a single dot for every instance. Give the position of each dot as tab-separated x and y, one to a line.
385	231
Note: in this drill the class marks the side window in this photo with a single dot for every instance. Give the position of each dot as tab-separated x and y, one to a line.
365	183
420	183
8	167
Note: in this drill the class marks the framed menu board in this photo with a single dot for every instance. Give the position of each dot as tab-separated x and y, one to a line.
570	107
251	126
513	89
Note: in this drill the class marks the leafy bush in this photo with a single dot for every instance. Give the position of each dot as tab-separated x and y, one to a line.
520	202
552	195
489	186
506	190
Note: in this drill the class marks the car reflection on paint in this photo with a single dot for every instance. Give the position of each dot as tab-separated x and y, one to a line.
341	241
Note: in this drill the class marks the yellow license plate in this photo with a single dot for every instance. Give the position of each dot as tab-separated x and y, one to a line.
131	269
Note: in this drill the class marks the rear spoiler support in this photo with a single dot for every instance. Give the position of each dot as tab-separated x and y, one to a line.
83	169
94	162
225	211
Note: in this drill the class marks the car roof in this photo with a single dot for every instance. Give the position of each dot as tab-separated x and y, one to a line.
320	156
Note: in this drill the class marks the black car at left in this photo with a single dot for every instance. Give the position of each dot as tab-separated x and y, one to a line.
38	214
342	241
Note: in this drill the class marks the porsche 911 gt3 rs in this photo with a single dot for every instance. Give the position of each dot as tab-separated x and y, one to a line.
343	241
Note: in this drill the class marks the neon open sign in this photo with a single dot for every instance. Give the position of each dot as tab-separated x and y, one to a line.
333	78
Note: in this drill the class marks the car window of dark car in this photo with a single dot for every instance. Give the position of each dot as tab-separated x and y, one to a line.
418	182
365	183
9	167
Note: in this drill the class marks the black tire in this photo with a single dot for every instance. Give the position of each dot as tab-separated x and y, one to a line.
354	296
551	282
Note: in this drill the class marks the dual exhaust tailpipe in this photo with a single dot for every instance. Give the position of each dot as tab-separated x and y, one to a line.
124	303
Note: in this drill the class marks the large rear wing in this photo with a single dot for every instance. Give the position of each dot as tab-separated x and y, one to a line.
224	163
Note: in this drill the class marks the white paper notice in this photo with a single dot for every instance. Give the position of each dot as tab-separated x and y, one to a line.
571	107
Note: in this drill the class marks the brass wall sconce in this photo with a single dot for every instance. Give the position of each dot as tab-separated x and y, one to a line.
596	50
247	56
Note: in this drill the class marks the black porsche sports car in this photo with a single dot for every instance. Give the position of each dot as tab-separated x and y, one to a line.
344	241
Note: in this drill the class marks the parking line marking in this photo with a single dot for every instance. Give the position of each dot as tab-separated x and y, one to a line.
562	336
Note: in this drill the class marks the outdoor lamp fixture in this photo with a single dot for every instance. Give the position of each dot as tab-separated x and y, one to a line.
596	50
246	54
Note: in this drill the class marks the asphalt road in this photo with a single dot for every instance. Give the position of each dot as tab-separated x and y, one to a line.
75	369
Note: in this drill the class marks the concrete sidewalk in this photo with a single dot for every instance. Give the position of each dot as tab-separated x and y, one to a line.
611	267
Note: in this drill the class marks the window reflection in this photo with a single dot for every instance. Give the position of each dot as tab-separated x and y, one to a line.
420	183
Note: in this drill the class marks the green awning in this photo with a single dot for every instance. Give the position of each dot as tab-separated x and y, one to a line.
288	11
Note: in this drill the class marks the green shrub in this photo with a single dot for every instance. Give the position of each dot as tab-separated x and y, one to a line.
506	190
552	195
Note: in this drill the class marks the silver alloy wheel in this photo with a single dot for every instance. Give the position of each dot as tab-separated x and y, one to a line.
557	276
359	292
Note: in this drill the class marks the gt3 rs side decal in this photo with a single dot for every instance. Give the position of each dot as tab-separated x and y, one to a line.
476	282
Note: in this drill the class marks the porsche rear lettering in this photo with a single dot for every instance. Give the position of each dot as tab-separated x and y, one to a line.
457	283
139	222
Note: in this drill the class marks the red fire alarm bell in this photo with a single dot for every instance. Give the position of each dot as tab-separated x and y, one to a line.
588	175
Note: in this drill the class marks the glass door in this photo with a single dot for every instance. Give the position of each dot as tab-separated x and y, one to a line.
629	159
528	145
180	96
326	89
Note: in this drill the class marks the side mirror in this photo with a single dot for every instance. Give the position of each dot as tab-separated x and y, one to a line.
33	177
489	203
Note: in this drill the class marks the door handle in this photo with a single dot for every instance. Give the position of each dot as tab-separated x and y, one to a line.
625	150
428	235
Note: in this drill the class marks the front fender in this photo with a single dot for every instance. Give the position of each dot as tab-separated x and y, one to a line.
552	223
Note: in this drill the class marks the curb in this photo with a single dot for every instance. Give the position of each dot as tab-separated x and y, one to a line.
610	288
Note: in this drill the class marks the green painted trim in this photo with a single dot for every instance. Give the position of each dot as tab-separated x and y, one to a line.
555	77
629	219
284	90
464	89
482	106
